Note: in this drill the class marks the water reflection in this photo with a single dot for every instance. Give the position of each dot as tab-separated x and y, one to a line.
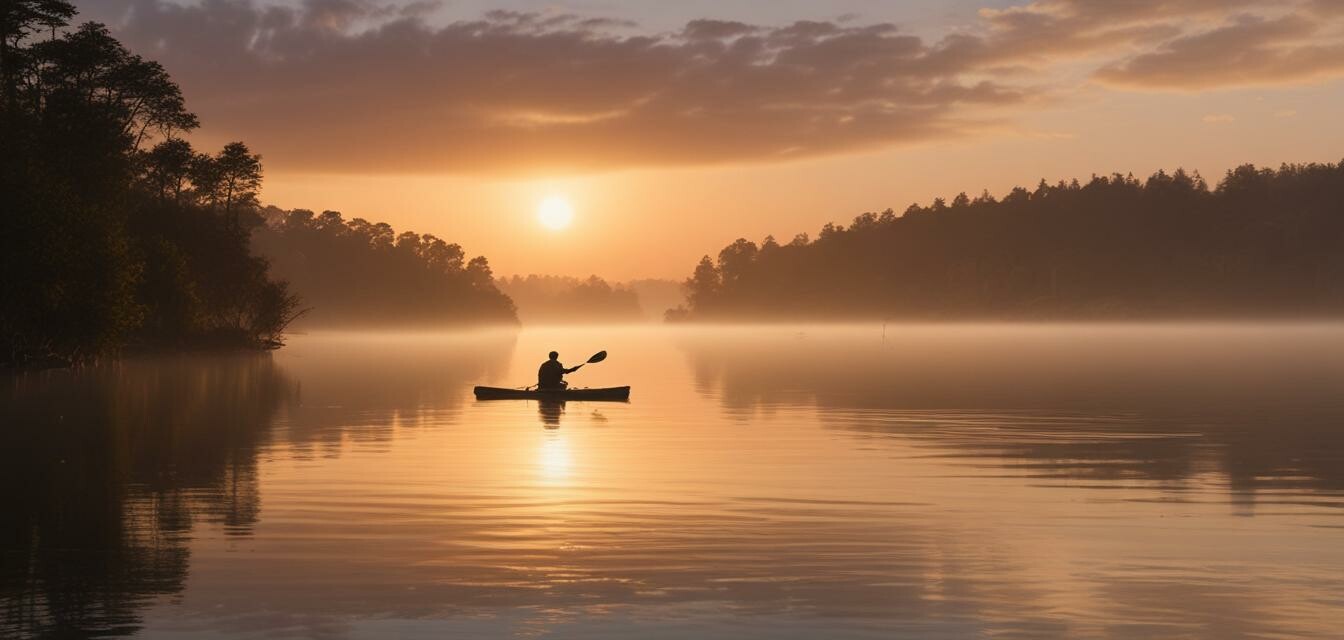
784	483
550	412
364	387
554	458
1261	406
106	471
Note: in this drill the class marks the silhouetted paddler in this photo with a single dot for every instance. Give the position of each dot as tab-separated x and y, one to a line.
551	375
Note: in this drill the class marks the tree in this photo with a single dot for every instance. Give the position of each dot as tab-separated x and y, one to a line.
168	168
331	221
237	174
702	289
90	73
20	19
479	273
735	261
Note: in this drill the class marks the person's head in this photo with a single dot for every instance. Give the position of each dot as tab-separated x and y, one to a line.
555	354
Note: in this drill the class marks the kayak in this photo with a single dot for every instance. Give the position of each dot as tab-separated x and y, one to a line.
607	393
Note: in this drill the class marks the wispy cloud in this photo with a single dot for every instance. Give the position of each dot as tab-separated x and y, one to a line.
1247	51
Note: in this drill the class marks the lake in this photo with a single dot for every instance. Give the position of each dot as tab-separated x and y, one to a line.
921	481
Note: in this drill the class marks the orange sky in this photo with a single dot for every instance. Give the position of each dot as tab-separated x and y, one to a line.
673	132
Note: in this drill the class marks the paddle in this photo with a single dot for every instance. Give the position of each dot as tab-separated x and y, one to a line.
597	357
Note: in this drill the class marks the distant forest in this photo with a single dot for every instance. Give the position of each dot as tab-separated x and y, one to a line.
568	299
359	273
656	296
106	239
1263	243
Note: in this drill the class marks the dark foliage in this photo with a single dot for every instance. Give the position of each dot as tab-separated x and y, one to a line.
102	242
1263	243
356	273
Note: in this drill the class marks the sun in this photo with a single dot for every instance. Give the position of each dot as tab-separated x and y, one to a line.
555	213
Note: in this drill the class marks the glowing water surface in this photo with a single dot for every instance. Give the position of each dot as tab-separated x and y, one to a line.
787	481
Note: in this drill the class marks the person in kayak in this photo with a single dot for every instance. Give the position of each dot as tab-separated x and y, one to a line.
551	375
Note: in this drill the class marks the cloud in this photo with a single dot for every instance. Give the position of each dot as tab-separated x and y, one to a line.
1251	50
518	90
367	86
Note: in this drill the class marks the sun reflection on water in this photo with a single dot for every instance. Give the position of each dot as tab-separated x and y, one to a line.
554	461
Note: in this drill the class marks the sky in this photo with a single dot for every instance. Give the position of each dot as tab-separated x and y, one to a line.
673	128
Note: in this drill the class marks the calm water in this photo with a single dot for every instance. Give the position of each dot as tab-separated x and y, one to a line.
799	482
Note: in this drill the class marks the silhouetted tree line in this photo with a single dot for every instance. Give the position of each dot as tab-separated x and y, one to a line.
565	298
358	272
1262	243
106	240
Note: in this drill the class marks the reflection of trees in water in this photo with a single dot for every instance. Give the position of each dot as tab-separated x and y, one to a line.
1262	407
363	387
107	469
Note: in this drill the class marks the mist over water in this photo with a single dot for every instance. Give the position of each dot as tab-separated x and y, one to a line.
957	480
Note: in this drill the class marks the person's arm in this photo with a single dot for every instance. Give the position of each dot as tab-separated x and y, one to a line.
573	369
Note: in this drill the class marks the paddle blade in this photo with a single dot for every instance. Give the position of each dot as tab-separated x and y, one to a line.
597	357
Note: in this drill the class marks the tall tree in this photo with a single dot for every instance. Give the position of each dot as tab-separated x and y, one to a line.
20	19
